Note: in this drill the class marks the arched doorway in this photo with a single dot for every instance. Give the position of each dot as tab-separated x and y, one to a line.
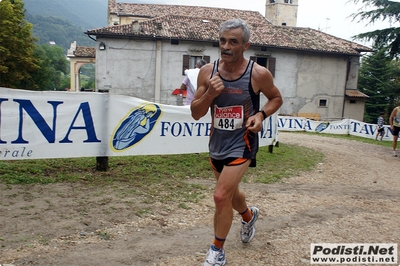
79	56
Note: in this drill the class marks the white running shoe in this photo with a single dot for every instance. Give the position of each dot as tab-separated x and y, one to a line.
215	257
394	154
248	230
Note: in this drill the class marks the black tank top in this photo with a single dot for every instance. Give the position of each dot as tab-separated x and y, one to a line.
229	111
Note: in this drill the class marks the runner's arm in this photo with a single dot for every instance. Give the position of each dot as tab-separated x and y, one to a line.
207	90
262	81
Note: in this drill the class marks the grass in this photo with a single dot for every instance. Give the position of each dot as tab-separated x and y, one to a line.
164	178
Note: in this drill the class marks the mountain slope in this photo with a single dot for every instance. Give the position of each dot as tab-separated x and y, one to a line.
57	29
86	14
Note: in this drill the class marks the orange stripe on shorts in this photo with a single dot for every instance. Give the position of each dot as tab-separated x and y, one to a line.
238	161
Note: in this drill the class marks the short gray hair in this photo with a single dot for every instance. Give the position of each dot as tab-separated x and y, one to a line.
234	24
200	63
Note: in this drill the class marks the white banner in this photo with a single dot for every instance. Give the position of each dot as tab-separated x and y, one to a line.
49	124
342	127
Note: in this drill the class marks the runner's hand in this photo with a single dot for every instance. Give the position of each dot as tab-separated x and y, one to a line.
254	123
215	86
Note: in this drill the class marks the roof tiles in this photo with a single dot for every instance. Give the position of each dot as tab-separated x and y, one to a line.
83	51
356	94
195	23
157	10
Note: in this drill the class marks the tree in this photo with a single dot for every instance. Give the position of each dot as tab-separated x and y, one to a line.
377	80
395	93
53	66
59	30
385	10
17	45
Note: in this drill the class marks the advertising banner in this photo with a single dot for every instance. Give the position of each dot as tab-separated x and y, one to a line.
342	127
50	124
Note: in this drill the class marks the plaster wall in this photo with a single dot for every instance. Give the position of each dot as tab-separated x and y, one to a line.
128	67
355	110
279	12
305	78
352	79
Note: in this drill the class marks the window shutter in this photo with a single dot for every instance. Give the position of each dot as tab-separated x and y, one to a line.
207	58
271	65
185	62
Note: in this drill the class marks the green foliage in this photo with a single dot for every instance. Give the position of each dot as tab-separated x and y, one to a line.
88	14
59	30
53	67
87	75
17	61
388	38
395	94
376	79
64	21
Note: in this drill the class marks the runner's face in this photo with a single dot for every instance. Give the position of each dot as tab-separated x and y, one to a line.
231	45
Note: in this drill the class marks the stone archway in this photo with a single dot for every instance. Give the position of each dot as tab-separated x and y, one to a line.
79	56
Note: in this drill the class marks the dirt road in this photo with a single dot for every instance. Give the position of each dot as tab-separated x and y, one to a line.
351	197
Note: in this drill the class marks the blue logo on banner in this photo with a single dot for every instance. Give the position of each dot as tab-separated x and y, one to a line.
321	127
136	126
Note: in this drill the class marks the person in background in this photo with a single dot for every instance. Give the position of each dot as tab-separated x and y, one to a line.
394	121
381	129
230	87
189	83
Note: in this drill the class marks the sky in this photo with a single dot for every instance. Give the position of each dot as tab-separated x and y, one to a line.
329	16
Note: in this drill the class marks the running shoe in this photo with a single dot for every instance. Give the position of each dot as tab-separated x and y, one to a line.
248	230
394	154
215	257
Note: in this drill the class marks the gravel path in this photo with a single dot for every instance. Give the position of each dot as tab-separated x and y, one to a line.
352	197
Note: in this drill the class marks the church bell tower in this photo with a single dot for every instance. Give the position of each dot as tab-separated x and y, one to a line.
282	12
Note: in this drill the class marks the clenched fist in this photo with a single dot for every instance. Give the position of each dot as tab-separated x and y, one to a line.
215	86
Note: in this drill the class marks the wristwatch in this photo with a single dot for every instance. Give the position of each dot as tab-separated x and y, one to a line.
263	113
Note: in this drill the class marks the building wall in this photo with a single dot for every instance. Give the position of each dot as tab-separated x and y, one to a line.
279	12
128	67
352	79
306	78
354	109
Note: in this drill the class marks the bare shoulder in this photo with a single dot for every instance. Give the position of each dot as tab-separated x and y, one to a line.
261	78
206	70
261	72
204	78
394	112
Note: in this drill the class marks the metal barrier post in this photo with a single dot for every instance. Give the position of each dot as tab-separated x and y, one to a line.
102	161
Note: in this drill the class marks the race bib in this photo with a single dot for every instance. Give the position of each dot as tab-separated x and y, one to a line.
228	118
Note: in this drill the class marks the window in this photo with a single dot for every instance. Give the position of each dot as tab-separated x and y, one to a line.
352	101
272	1
323	103
193	60
288	1
189	61
267	62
